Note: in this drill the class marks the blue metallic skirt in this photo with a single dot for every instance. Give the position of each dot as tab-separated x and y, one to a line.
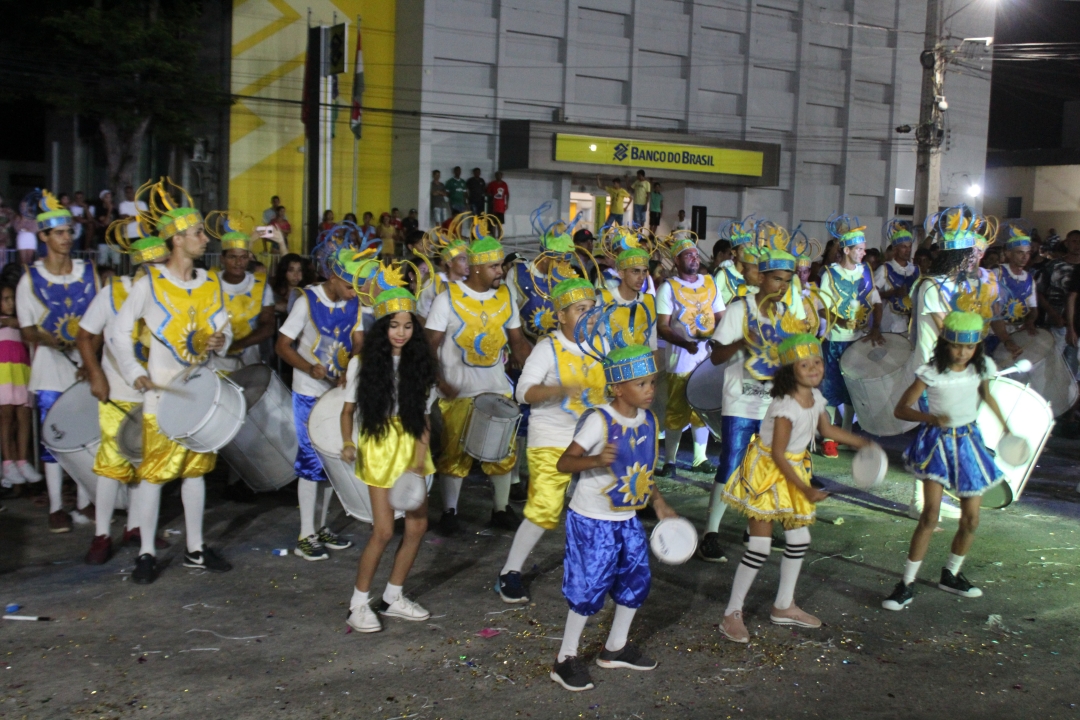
954	457
735	435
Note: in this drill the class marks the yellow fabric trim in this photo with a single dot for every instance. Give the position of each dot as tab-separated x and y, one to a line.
579	371
679	413
547	487
483	335
109	462
695	311
453	460
758	490
244	309
380	463
620	318
164	460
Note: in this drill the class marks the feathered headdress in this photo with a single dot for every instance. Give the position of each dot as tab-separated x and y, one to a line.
897	231
804	248
1017	236
49	212
846	229
740	232
166	215
956	227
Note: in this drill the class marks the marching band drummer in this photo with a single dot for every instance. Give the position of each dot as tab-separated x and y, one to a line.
50	299
730	278
531	283
559	382
468	328
636	316
116	398
323	323
1021	301
849	297
688	308
185	311
981	293
455	264
895	278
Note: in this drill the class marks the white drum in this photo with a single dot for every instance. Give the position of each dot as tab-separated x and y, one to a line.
492	426
869	466
129	437
876	377
264	450
72	434
673	541
705	392
1049	375
201	410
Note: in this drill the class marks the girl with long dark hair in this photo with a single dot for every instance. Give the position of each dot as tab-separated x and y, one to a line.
397	377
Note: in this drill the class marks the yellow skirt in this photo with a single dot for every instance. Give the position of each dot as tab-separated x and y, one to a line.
164	460
109	462
547	487
679	413
758	490
453	460
381	462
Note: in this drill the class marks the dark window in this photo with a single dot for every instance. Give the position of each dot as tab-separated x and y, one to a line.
1015	207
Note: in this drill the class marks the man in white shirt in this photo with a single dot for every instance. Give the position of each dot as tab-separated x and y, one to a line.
50	299
688	308
895	277
469	327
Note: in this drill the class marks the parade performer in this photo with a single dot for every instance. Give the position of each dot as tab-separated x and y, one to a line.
559	382
614	450
533	281
895	278
453	252
850	299
752	329
978	291
1021	301
636	314
324	323
468	328
184	309
688	308
729	278
397	374
116	398
773	483
948	450
50	299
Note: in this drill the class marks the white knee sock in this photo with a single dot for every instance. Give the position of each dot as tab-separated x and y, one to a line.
500	491
193	493
54	482
82	497
105	504
525	539
701	444
575	625
911	569
955	561
132	517
755	556
327	496
796	543
306	493
717	506
620	628
451	491
147	504
671	445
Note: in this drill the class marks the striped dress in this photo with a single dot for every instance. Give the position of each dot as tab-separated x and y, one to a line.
14	368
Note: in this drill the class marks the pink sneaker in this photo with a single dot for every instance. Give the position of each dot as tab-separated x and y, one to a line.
733	628
794	616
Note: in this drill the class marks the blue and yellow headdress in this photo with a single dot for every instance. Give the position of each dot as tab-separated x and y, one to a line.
804	248
628	363
570	291
963	328
799	347
50	213
144	247
554	229
1018	237
166	216
774	254
621	359
740	232
846	229
232	227
956	228
897	232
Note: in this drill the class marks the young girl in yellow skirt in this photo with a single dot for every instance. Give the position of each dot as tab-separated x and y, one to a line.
773	483
394	392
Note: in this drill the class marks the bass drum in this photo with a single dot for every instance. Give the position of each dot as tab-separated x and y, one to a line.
876	377
1049	375
264	449
705	392
72	433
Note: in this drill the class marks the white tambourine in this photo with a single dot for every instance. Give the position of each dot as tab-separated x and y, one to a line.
673	541
1014	450
869	466
408	492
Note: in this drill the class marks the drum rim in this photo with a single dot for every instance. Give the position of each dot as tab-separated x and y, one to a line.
182	379
722	367
81	387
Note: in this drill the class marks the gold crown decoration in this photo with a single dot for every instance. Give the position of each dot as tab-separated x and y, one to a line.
167	216
804	248
799	347
232	227
376	277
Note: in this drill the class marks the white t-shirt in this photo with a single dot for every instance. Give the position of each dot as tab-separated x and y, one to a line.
590	498
743	395
892	322
98	317
955	394
51	369
927	301
249	355
298	326
467	380
832	299
130	209
77	211
804	421
681	360
550	425
162	365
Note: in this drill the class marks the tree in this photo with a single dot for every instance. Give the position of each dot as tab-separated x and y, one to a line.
130	65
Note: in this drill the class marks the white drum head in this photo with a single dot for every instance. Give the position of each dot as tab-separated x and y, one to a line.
497	406
705	388
324	423
187	401
72	421
673	541
869	466
408	492
865	360
1014	450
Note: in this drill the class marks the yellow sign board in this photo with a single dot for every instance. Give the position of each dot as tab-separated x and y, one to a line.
597	150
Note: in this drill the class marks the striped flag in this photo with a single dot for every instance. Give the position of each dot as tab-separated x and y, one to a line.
358	86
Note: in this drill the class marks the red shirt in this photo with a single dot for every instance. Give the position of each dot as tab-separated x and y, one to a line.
500	195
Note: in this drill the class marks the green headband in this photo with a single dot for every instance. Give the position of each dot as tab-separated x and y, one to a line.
628	363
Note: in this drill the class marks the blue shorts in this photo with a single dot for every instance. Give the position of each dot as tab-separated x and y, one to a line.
735	434
308	465
45	400
605	557
833	387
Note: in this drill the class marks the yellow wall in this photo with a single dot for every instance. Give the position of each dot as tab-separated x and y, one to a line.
269	39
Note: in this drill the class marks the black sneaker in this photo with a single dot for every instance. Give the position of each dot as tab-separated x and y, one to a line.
519	492
448	523
572	674
709	549
667	470
146	570
510	588
705	467
332	540
629	657
901	597
505	519
206	559
958	585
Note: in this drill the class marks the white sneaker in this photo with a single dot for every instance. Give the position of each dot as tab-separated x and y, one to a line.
363	619
12	476
405	609
29	472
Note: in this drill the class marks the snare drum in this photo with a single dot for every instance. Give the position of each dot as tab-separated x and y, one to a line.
876	377
72	433
1049	375
201	410
705	392
129	436
264	449
491	430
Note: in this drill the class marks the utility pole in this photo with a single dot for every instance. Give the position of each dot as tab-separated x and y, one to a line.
930	132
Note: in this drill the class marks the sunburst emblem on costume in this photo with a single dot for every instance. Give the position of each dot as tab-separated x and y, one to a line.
190	336
67	327
634	486
544	320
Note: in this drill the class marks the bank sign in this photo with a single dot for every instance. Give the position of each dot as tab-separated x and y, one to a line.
597	150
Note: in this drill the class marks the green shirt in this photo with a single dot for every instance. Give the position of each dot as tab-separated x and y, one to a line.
656	202
456	187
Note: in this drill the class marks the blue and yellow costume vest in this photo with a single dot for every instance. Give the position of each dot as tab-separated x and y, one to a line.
979	295
635	460
189	314
763	335
482	335
900	305
627	329
66	304
1017	291
579	371
850	298
537	312
244	308
693	306
335	326
140	334
730	283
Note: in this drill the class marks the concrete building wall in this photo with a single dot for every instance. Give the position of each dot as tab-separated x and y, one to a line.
1049	195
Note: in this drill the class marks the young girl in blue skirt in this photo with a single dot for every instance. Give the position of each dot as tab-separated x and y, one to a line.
948	450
